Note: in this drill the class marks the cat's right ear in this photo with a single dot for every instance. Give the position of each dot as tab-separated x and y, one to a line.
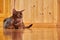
14	10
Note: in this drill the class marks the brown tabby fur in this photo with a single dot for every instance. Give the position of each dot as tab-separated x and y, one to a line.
16	21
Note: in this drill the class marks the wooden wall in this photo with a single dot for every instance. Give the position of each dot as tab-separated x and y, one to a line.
58	16
36	11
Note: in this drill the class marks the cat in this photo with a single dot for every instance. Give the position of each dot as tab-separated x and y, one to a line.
15	21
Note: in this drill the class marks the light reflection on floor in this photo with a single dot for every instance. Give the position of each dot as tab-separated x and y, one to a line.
29	34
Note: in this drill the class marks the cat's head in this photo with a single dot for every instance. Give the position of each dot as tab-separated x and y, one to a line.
17	14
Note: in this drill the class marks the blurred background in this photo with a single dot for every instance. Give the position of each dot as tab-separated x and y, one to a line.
43	14
36	11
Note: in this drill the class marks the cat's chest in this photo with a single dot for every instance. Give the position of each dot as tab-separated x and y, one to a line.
17	21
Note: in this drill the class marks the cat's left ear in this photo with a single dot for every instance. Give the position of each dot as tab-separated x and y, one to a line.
21	10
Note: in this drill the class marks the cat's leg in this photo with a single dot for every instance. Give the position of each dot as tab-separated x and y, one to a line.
21	26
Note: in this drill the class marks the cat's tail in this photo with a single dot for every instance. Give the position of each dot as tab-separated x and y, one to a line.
29	26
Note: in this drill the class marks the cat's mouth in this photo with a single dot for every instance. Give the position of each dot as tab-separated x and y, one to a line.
16	16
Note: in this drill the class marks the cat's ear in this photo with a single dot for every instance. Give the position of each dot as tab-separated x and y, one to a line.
14	10
22	10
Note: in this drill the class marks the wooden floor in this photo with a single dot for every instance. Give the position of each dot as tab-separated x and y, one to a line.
43	33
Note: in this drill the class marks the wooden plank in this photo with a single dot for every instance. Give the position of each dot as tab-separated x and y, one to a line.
45	10
55	11
27	12
40	12
51	11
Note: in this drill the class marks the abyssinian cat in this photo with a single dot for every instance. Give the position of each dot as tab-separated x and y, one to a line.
15	21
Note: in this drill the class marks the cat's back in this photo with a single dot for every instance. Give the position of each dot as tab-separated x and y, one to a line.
7	21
